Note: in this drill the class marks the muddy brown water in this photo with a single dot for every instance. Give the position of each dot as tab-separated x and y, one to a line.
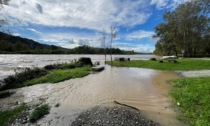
144	89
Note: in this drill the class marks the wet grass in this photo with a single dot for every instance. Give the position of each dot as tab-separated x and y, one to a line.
182	64
55	76
5	94
192	96
21	76
39	112
7	116
51	73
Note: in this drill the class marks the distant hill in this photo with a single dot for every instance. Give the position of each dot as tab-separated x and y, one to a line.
10	44
16	44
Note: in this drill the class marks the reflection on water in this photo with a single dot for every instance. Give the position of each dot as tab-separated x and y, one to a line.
144	89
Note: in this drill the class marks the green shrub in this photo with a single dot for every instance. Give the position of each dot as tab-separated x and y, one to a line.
39	112
22	76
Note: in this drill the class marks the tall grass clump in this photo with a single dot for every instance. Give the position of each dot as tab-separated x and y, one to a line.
21	76
39	112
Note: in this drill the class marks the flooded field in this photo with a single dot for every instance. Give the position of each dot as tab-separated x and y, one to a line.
144	89
8	63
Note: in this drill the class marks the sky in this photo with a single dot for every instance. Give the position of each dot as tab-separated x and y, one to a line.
72	23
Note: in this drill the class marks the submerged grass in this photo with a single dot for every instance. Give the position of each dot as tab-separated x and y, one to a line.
182	64
7	116
39	112
55	76
193	98
5	94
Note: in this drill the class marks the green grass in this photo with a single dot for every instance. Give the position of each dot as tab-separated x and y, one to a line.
9	115
193	94
182	64
55	76
39	112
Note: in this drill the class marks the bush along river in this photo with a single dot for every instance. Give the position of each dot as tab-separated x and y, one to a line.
115	96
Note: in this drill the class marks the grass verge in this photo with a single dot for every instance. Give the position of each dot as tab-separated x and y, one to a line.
182	64
39	112
55	76
7	116
192	96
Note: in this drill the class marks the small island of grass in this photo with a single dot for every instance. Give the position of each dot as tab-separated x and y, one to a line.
49	74
182	64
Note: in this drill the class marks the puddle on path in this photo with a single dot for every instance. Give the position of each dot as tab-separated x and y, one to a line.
144	89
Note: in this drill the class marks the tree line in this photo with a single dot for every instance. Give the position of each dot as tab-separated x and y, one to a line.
186	30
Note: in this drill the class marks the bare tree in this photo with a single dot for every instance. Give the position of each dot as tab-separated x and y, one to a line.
103	43
113	35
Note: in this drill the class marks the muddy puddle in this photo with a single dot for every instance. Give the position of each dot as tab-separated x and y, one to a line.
144	89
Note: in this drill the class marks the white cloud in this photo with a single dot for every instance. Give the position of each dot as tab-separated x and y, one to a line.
137	48
33	30
16	34
68	39
137	35
159	3
170	4
90	14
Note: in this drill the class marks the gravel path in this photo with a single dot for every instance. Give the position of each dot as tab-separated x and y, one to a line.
195	73
112	116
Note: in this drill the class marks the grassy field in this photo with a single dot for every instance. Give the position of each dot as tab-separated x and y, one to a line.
57	75
182	64
9	115
193	95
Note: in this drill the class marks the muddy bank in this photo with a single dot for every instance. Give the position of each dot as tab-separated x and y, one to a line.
112	115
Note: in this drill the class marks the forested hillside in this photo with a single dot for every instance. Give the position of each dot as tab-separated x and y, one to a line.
10	44
186	30
16	44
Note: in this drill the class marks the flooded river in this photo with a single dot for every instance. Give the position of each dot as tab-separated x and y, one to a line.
8	63
144	89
